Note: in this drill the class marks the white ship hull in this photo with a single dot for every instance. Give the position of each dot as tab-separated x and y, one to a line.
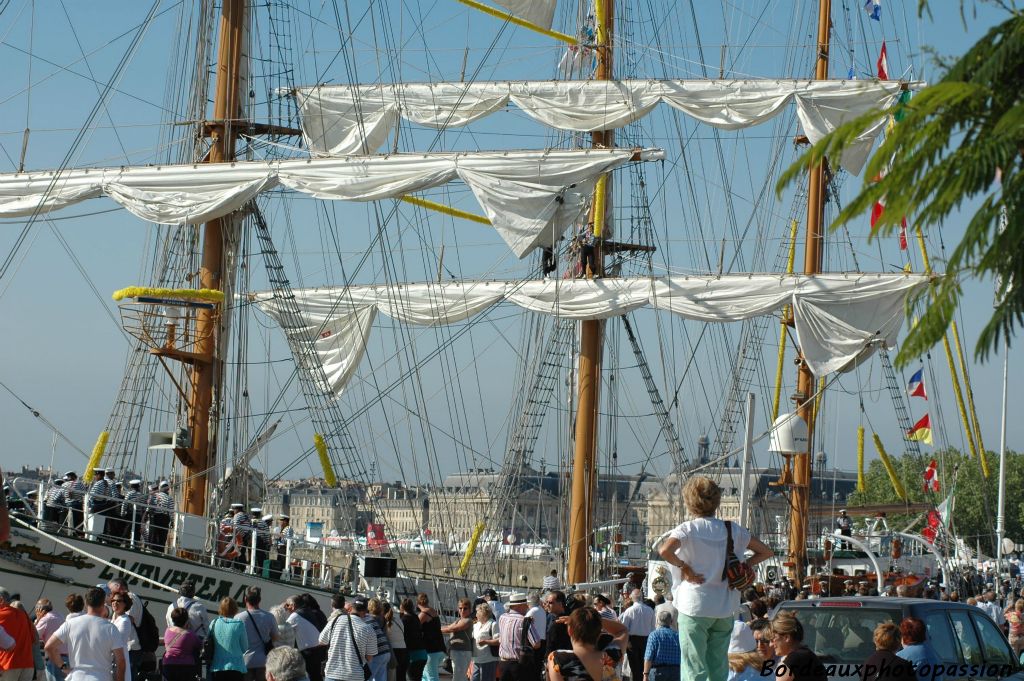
37	566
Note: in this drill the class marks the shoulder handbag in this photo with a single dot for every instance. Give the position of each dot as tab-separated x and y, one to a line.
209	646
267	645
737	573
367	674
526	651
493	648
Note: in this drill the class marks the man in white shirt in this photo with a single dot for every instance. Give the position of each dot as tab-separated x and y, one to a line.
639	618
197	622
92	641
539	617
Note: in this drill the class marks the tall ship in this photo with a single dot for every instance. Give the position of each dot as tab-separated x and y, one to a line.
511	256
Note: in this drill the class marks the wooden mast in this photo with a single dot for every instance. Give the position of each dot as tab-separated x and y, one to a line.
584	469
227	110
801	487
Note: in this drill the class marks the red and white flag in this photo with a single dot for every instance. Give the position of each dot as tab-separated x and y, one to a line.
883	64
931	477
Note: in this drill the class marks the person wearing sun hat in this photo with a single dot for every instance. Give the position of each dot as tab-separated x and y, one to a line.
517	644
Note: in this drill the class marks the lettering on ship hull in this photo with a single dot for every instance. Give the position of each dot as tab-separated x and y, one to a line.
210	589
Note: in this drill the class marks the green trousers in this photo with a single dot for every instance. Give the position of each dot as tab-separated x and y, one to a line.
704	645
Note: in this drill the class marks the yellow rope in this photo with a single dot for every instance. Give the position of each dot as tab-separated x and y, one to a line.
600	192
511	18
884	456
860	459
970	396
447	210
471	548
204	294
782	329
953	376
97	454
325	462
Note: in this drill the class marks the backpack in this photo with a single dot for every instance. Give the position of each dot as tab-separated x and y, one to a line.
147	631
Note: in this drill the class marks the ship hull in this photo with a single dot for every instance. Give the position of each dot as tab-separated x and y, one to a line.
36	566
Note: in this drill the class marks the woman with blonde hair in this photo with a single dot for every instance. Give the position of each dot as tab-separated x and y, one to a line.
229	643
696	550
745	660
796	661
460	646
485	644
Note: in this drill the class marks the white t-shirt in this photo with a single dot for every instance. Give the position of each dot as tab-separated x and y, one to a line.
540	622
91	642
486	631
124	626
306	635
702	544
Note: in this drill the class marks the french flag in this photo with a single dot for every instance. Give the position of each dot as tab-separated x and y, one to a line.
874	9
916	386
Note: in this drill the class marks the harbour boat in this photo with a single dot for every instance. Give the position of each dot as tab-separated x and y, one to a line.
282	225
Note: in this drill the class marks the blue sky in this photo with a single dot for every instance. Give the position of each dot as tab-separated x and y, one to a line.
62	350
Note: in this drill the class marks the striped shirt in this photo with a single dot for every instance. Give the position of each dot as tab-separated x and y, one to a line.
510	635
74	491
663	647
383	644
55	496
342	661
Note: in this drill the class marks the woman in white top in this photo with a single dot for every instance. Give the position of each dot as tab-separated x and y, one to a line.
121	603
485	644
696	551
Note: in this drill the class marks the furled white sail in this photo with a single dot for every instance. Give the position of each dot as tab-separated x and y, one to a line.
350	119
837	316
540	12
529	196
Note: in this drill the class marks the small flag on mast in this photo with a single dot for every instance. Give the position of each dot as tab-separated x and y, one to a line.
922	431
903	234
883	64
916	386
931	477
876	212
874	9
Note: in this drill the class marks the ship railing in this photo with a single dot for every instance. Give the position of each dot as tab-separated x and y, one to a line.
297	559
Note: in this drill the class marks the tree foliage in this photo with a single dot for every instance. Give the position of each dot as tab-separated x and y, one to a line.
974	511
952	140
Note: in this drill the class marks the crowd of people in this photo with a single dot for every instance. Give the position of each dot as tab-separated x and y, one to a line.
712	626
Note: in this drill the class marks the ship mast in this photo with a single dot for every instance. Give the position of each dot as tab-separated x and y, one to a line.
584	469
805	387
206	369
